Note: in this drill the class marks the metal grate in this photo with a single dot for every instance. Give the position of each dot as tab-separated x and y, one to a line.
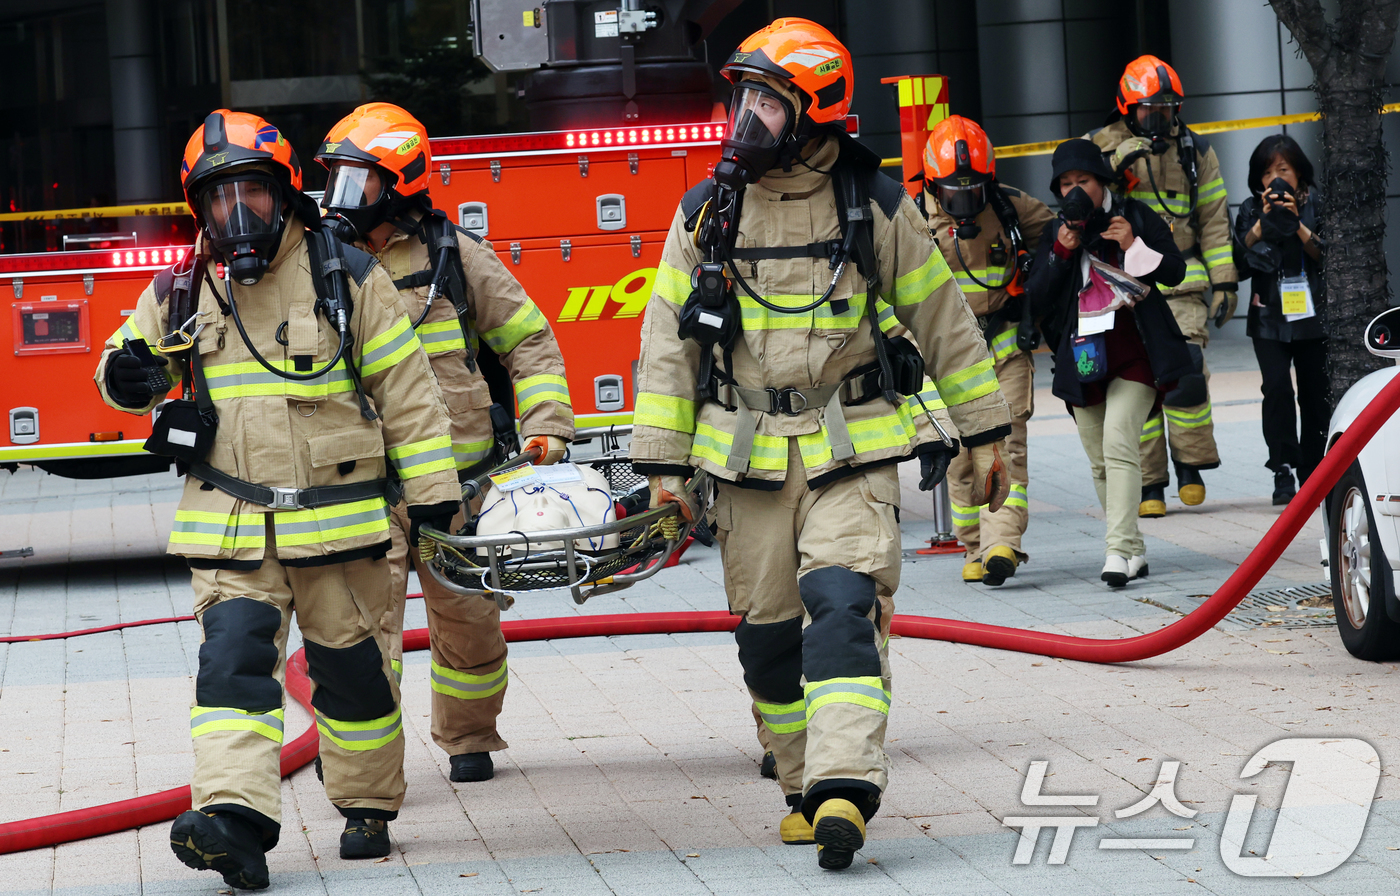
1298	606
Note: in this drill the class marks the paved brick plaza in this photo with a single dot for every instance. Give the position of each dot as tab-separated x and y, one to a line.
633	766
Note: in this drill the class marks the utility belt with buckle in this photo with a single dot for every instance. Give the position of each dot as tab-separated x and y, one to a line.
289	498
860	386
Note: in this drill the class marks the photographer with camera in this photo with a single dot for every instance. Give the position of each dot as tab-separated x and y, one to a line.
1117	348
1276	248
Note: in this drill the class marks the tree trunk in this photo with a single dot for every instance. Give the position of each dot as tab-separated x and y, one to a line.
1352	219
1348	58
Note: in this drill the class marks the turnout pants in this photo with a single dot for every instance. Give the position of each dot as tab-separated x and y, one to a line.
468	665
813	574
1188	429
237	720
978	528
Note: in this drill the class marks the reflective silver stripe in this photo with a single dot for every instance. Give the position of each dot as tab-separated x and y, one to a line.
458	685
408	461
553	388
221	715
330	522
368	734
785	718
842	687
388	348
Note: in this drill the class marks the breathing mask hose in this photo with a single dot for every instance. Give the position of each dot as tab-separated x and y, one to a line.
439	271
340	321
1152	179
957	250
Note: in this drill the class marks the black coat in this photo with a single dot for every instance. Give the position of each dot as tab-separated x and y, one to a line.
1263	262
1053	288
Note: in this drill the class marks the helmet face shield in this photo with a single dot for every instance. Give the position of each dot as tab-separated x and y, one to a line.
1154	119
242	215
962	203
358	195
760	122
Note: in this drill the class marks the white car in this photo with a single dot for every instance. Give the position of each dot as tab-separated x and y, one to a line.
1362	513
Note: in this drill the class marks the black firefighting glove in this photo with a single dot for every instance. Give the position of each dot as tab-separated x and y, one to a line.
933	466
439	516
133	380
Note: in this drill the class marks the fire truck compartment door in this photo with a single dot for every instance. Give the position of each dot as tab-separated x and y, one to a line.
534	201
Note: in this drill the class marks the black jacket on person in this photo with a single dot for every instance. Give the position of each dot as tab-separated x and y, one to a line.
1053	287
1264	263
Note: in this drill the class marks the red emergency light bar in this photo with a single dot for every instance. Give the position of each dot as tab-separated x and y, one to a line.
56	262
591	138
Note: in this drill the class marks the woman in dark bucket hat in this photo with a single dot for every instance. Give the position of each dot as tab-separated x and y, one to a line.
1117	349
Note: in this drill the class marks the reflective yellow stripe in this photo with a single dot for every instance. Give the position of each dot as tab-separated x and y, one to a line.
441	336
1004	345
1151	429
664	412
1195	275
222	530
397	666
991	276
208	719
465	686
361	736
1175	204
127	331
318	525
672	284
968	384
249	379
525	322
1017	498
917	285
867	691
421	458
389	348
1218	254
1210	191
783	718
755	317
1189	419
712	444
966	516
464	454
929	393
542	387
885	315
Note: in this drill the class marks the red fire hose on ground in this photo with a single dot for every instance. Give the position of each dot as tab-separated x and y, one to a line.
124	815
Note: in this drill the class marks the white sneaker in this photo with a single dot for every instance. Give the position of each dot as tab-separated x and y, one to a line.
1137	567
1115	571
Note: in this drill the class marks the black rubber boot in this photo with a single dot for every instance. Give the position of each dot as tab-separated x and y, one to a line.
1154	502
1190	487
1284	489
221	842
768	768
364	838
472	767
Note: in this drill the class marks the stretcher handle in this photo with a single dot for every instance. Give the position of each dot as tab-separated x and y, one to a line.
473	487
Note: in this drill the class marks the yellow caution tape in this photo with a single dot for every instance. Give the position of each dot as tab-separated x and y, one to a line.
105	211
1045	147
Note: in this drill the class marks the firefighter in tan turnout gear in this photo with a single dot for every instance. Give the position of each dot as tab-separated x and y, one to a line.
986	231
760	364
458	293
301	373
1160	161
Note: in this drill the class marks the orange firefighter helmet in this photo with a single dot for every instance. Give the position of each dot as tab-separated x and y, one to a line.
804	55
227	140
385	135
1148	79
958	153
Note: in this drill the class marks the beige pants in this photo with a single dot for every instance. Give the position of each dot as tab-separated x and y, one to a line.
1189	430
813	574
1109	432
236	723
978	528
468	665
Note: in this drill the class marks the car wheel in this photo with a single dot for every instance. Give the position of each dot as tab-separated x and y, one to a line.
1359	572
